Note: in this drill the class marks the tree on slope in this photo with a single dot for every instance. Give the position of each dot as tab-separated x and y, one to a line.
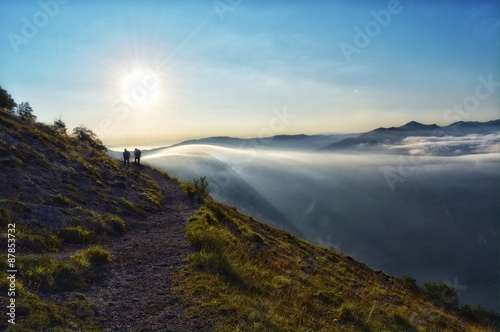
6	101
59	126
25	112
83	134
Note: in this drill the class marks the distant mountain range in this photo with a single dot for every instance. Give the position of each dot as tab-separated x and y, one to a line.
435	221
282	142
372	140
389	136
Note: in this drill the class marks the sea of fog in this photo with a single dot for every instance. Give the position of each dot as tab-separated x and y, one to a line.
434	217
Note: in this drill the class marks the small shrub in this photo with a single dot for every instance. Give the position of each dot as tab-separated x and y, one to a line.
40	242
83	134
201	187
441	294
480	315
114	223
411	284
197	189
48	274
77	235
206	238
93	256
189	189
215	263
59	126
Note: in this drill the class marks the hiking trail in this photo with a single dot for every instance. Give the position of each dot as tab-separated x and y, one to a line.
135	291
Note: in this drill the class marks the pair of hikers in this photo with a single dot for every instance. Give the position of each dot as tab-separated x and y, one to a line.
137	157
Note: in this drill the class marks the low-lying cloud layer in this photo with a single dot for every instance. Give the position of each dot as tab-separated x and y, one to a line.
429	214
450	145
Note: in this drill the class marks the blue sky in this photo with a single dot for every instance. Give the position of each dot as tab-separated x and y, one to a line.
164	71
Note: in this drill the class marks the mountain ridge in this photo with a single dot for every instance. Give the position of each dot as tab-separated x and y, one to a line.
85	219
332	142
300	141
377	137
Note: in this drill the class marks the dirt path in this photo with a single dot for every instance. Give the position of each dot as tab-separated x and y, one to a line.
135	293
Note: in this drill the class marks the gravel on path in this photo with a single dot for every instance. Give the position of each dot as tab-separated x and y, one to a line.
135	292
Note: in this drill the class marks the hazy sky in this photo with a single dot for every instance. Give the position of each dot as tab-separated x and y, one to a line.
143	71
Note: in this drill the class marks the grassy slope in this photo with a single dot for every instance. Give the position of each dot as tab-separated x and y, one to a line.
63	194
60	193
259	278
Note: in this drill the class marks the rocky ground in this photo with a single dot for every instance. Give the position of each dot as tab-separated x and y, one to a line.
135	294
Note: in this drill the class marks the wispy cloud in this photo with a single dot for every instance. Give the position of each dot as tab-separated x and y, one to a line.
450	145
442	215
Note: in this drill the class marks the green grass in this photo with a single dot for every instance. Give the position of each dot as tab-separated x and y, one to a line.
212	243
37	241
254	277
198	189
102	224
63	200
34	313
92	198
77	235
152	192
48	275
114	223
92	257
131	207
27	239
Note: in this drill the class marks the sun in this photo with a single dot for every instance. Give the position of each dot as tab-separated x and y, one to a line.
141	87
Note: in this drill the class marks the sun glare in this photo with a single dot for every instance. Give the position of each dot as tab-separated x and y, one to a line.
140	87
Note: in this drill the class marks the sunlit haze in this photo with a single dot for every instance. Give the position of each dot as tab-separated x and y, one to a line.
156	72
371	127
425	206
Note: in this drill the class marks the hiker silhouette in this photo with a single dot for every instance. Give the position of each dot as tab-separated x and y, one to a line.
137	156
126	157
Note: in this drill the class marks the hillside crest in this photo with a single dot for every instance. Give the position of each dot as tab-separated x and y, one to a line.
71	202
